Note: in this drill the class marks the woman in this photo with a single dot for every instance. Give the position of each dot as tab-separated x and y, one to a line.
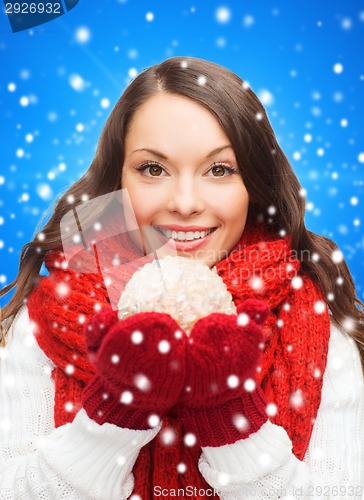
193	147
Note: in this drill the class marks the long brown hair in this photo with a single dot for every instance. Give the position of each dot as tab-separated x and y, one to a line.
267	174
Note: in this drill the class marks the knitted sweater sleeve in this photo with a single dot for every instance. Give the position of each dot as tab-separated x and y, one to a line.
77	461
263	465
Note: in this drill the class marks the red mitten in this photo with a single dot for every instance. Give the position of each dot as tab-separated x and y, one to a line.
222	402
140	368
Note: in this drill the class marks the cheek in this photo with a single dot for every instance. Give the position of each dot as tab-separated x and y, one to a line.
237	204
144	203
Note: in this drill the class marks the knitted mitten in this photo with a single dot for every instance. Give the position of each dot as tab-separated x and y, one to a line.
222	402
140	368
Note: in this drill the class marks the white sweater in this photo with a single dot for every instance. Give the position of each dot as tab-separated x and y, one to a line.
84	460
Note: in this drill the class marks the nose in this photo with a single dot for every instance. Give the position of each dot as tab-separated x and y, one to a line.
185	198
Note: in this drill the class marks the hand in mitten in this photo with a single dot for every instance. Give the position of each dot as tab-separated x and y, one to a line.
140	368
222	402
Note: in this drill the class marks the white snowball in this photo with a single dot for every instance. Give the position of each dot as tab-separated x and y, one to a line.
159	286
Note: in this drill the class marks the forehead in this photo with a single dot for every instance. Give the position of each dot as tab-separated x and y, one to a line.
174	121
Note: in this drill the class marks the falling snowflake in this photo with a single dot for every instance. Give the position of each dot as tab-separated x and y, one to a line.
24	101
296	399
70	369
142	382
62	290
181	468
164	346
248	21
153	420
297	155
83	35
266	97
243	319
232	381
190	439
126	397
319	306
272	210
168	436
348	324
317	373
338	68
178	334
223	15
132	72
249	385
271	410
77	82
256	283
137	337
297	282
337	256
240	422
346	23
68	407
105	103
44	191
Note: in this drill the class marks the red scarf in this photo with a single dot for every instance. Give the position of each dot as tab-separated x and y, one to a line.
293	363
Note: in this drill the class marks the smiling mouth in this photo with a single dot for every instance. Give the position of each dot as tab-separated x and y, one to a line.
185	235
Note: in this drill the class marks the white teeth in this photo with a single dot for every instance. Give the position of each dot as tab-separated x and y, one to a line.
183	236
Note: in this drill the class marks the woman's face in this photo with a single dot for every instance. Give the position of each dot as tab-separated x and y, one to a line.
182	177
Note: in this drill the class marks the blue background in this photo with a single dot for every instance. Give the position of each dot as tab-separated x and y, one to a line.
59	82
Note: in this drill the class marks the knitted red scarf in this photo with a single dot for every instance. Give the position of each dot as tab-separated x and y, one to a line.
262	266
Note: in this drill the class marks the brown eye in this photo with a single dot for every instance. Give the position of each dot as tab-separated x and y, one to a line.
155	170
151	169
218	170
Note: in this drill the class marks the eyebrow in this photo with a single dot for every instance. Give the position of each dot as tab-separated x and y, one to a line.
164	157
